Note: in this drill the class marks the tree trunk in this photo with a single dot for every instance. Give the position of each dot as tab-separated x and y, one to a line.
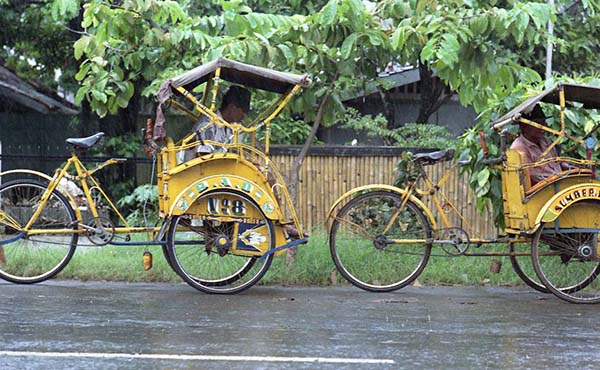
431	96
295	175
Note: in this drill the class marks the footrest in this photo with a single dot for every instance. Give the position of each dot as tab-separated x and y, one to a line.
291	244
17	237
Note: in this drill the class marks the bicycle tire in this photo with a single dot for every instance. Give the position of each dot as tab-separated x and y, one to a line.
35	257
530	279
573	276
359	247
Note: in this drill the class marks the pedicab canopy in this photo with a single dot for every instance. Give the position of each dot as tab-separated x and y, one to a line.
589	96
232	71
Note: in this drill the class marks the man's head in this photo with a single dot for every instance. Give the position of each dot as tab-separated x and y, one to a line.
235	104
533	134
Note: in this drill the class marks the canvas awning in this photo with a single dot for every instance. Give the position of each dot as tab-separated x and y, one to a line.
232	71
241	73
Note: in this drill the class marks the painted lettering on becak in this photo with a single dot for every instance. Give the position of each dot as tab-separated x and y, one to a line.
183	205
247	187
268	208
201	186
574	195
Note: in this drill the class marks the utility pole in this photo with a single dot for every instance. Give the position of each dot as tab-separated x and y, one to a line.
549	45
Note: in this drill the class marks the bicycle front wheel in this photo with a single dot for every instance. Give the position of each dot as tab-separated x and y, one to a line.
378	246
43	251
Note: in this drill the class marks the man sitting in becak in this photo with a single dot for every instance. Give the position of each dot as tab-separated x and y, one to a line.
532	143
235	106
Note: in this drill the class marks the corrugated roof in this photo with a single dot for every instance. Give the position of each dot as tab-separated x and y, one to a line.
15	89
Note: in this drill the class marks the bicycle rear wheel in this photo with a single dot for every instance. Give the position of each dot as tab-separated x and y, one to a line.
198	257
565	254
41	252
375	259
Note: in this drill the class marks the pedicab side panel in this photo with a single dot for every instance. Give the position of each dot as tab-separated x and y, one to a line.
513	193
558	213
185	202
524	206
182	187
559	205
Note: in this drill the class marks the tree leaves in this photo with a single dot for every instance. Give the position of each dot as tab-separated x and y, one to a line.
479	25
64	9
348	45
449	49
329	13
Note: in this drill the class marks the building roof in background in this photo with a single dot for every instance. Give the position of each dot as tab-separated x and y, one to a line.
395	75
16	90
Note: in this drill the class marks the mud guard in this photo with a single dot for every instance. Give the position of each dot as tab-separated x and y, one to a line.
563	199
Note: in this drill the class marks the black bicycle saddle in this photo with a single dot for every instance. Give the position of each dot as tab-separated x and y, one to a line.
85	142
433	157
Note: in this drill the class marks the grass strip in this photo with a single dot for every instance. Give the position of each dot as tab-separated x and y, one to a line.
313	266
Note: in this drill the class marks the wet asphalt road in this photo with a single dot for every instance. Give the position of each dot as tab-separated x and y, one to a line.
103	325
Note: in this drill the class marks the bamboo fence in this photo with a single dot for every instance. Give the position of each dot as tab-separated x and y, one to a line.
325	176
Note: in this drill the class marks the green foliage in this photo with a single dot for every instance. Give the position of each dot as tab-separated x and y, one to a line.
471	44
417	135
485	180
127	145
487	51
65	9
289	132
147	42
313	266
375	127
406	171
36	41
114	178
141	206
491	53
576	40
410	135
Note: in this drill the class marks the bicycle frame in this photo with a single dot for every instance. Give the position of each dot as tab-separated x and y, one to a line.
225	214
82	176
393	229
442	203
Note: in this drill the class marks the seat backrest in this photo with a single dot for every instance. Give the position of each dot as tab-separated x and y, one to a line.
530	188
525	177
513	192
